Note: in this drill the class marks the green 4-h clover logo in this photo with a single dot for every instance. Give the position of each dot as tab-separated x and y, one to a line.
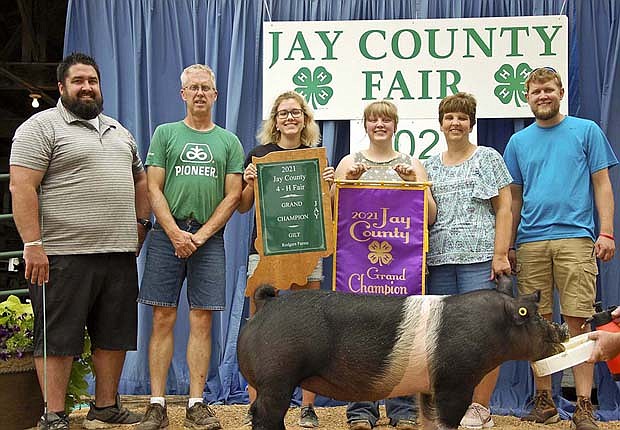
313	85
511	83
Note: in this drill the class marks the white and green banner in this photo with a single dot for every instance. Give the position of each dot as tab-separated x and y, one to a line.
341	66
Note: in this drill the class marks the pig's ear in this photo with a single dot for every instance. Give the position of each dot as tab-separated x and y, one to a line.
518	312
504	284
533	297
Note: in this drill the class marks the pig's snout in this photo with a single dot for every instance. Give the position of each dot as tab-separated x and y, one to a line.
561	331
556	334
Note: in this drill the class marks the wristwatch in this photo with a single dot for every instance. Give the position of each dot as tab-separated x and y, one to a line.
146	223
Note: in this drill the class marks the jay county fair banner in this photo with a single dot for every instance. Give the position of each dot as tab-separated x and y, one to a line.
381	239
341	66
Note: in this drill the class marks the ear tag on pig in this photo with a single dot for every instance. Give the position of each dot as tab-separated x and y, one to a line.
522	311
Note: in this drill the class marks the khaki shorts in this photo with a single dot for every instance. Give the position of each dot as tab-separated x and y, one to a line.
316	275
566	264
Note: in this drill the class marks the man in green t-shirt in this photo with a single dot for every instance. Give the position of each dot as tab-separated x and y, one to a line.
194	185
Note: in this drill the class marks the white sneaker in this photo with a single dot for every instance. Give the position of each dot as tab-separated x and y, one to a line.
477	417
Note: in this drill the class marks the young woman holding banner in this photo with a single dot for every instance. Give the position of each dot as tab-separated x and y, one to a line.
290	126
381	162
468	244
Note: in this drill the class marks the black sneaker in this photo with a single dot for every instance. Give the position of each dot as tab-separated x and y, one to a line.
308	418
200	416
52	421
156	417
110	416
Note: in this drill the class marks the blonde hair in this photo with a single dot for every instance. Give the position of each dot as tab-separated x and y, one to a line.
382	108
459	102
197	68
310	134
542	75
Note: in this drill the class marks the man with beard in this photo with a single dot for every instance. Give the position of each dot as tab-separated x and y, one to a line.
560	169
194	186
80	205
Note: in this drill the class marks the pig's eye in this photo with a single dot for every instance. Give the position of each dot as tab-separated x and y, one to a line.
523	311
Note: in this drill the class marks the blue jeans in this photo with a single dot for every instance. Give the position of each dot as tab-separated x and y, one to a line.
451	279
397	408
164	272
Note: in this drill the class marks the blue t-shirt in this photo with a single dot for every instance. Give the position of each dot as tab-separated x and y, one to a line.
554	165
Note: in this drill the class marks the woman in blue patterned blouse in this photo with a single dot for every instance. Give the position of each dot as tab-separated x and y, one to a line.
468	244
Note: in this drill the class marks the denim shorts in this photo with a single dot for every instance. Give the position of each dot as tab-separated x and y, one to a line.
316	275
204	270
94	290
451	279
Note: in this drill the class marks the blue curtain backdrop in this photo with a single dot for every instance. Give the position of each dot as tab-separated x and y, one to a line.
143	45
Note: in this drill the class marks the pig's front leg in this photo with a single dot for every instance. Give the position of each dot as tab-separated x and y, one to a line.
451	401
428	414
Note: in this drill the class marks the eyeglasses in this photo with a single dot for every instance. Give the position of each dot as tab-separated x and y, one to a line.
196	88
283	114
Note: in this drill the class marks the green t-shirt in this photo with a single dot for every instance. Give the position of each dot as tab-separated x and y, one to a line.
196	164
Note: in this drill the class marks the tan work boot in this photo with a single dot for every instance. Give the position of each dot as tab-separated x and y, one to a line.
583	418
201	417
544	410
156	417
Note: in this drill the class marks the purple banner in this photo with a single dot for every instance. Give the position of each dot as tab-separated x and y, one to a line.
380	240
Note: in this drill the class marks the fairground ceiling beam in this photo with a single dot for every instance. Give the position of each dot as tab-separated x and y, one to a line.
40	75
26	84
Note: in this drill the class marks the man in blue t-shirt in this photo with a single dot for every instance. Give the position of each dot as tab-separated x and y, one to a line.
560	169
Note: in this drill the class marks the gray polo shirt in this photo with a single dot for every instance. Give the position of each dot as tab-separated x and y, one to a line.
87	196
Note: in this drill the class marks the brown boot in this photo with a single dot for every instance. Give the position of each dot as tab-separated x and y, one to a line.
544	410
583	418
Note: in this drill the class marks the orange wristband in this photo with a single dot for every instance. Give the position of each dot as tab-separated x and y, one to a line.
608	236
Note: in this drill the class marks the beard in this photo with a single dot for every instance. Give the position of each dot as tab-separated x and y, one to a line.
546	112
85	109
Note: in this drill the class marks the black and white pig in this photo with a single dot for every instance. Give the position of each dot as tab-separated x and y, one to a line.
353	347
